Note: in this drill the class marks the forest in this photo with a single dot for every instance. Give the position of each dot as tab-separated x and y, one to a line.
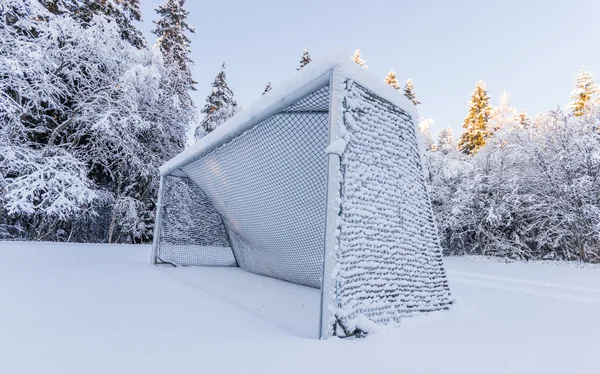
89	111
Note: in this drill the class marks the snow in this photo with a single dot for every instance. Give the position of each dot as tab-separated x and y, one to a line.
73	308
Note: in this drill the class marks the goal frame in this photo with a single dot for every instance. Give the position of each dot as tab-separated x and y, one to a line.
334	74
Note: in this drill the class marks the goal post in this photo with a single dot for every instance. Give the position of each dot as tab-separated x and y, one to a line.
319	183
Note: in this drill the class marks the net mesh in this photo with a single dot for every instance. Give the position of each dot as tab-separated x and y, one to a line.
261	195
192	232
388	262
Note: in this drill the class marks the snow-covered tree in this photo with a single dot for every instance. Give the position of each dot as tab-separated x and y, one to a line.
267	88
86	123
522	119
409	92
445	173
174	44
476	122
356	57
220	105
391	79
123	12
305	59
425	132
530	193
585	94
503	115
446	142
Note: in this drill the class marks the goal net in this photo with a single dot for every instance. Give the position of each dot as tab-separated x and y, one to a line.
319	183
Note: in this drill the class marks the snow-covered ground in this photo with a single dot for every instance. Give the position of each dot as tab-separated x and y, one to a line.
68	308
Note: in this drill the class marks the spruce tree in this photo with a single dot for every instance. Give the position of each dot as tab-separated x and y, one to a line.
356	57
476	122
123	13
174	44
305	60
446	142
522	119
391	79
267	88
503	115
220	105
409	92
585	93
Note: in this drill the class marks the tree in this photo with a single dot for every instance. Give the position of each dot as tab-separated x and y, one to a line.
174	44
123	12
503	115
585	93
85	124
305	60
476	122
220	105
425	132
358	59
390	79
446	142
522	119
409	92
267	88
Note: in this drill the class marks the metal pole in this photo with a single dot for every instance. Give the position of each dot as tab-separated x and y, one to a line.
332	200
158	220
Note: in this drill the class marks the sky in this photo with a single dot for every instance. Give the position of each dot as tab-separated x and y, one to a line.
531	48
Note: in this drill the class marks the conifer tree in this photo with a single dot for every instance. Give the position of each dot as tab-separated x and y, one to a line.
503	115
220	105
585	93
123	13
425	132
356	57
267	88
391	79
446	141
174	44
523	119
305	60
476	122
409	92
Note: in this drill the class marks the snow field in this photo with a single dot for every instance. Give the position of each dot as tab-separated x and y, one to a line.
72	308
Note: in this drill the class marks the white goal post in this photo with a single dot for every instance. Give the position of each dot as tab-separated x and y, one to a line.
320	183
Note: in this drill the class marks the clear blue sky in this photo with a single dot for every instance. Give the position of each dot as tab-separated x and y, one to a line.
532	48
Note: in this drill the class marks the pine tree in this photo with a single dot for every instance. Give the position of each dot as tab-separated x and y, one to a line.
220	105
390	79
585	93
503	116
522	119
476	122
267	88
356	57
305	60
446	141
425	132
409	92
174	44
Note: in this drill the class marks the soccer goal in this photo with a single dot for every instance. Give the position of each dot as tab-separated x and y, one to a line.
320	183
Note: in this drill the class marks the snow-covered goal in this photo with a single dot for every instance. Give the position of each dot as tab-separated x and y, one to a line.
320	183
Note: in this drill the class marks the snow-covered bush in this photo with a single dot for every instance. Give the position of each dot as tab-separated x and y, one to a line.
531	192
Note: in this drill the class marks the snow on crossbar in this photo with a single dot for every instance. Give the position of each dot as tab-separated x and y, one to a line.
319	183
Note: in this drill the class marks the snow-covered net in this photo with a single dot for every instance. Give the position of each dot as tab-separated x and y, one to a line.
388	263
262	195
192	232
328	192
